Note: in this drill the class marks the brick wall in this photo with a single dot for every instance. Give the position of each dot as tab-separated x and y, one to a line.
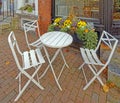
44	11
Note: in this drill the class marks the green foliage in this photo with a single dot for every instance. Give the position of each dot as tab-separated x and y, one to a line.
80	33
66	29
89	38
51	27
27	7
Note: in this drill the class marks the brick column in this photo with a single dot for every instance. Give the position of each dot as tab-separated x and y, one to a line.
44	11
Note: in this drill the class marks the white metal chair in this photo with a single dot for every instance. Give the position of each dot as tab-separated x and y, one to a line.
32	58
91	59
32	26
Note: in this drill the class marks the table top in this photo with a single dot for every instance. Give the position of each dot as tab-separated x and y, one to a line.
56	39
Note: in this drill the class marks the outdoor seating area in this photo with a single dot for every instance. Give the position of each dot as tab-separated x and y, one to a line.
59	51
71	80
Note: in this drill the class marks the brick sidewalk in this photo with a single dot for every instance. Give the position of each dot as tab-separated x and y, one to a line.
72	80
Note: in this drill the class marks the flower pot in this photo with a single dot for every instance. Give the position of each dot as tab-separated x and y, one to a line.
77	43
75	38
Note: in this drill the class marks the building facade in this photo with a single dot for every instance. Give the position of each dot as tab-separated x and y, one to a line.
105	14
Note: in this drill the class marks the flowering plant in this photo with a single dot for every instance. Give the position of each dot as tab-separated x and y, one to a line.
61	24
84	30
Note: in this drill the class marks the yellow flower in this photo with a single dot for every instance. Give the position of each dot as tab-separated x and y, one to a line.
81	23
86	30
57	20
67	22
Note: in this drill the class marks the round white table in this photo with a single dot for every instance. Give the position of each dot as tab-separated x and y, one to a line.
58	40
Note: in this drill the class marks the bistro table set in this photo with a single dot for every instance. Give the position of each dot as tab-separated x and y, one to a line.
55	40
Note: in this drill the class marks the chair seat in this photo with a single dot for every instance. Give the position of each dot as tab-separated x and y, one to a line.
32	58
36	43
90	57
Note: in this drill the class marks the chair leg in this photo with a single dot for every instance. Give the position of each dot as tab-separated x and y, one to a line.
96	73
88	84
21	91
84	75
44	72
31	78
81	66
96	76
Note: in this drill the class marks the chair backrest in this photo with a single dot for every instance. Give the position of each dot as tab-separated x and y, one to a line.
31	26
14	48
110	41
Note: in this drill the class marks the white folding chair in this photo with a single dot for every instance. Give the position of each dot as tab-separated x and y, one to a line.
32	26
32	58
91	59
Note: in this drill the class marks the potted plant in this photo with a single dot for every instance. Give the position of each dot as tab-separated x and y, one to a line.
87	35
75	26
27	7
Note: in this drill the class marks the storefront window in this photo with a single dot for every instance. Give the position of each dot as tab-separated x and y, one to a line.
116	9
7	8
78	8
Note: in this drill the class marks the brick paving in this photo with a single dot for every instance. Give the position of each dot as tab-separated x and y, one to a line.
71	80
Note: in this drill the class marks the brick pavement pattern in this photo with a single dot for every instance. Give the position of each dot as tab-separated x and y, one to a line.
71	80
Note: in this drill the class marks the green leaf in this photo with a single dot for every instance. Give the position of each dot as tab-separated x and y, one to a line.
51	27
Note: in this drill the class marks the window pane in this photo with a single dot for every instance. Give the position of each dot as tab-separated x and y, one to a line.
78	8
116	9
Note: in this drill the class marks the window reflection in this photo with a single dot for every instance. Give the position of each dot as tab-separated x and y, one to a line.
116	9
79	8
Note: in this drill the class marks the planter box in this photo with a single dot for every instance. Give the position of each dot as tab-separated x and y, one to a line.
77	43
114	72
